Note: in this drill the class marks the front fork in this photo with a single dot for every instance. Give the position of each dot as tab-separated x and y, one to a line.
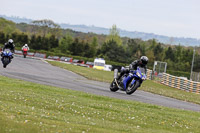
133	82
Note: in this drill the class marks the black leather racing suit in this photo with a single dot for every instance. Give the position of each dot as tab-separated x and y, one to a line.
132	66
9	46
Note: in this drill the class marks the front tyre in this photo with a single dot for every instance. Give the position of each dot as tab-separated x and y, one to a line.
5	61
133	88
113	86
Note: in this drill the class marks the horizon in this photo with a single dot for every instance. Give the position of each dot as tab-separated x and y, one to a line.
172	18
100	27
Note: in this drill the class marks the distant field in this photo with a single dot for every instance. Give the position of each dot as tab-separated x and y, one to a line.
29	107
148	85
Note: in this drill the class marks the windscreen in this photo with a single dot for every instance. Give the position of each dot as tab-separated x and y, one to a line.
7	50
142	70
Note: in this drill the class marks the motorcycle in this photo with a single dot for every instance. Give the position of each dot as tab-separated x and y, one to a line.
6	57
24	51
128	82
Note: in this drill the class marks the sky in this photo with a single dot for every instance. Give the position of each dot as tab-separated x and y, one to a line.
174	18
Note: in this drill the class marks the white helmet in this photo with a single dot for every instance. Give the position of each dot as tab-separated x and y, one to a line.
26	45
10	41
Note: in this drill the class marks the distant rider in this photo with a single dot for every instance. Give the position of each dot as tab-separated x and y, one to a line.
142	62
9	45
25	47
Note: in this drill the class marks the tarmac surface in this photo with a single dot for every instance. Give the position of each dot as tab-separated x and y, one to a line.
38	71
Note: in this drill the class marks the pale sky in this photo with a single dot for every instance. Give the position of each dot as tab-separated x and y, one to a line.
176	18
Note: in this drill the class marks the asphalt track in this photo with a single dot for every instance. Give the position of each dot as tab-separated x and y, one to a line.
38	71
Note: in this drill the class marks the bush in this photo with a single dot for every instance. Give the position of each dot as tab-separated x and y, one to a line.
179	73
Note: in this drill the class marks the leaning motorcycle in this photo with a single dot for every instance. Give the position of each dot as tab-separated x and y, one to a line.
128	82
6	57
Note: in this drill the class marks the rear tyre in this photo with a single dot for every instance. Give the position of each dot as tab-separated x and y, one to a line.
113	86
133	88
24	56
4	66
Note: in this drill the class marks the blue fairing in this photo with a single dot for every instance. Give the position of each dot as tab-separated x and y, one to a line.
134	76
127	80
7	52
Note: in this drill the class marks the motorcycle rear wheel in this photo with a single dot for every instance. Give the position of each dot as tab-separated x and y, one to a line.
133	88
113	86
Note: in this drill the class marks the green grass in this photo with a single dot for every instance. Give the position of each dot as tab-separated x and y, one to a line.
92	74
148	85
29	107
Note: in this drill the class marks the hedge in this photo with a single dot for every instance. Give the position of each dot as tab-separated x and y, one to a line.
179	73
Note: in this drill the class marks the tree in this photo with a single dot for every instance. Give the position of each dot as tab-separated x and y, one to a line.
65	42
169	54
151	56
2	38
114	35
111	51
36	42
22	39
76	48
87	50
7	26
134	49
53	42
47	26
158	52
178	53
32	41
47	43
94	45
46	23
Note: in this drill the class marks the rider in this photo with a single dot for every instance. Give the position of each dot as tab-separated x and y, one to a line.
142	62
9	45
25	46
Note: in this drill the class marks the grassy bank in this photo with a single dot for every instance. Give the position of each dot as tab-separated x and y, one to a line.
30	107
148	85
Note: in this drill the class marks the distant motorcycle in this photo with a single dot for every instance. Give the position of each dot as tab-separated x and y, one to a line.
25	51
128	82
6	57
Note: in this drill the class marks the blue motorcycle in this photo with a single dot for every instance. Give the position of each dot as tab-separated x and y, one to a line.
128	82
7	55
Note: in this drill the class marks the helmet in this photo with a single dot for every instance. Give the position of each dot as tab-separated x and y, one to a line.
26	45
10	41
144	60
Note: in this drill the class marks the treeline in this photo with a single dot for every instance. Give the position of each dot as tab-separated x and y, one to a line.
41	36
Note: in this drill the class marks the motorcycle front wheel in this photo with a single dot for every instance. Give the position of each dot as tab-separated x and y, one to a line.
113	86
4	66
131	89
5	62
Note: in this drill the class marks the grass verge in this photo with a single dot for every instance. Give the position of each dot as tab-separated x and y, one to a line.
30	107
148	85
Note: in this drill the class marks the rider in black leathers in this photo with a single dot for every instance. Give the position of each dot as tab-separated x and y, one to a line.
9	45
142	62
